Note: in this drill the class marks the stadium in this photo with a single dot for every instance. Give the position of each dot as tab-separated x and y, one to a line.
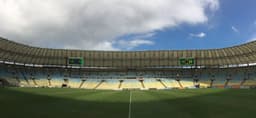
127	59
26	66
41	71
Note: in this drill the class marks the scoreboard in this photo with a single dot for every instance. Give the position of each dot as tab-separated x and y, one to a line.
76	61
186	61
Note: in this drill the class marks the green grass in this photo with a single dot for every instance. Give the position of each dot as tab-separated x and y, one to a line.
80	103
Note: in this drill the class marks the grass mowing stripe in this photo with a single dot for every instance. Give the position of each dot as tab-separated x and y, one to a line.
66	103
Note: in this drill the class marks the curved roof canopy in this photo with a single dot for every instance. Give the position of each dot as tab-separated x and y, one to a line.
23	54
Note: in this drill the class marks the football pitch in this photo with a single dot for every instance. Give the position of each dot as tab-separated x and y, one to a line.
80	103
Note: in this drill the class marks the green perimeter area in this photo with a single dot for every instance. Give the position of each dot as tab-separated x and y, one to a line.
80	103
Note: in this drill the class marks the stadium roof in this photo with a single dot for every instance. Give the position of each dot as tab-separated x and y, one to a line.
17	53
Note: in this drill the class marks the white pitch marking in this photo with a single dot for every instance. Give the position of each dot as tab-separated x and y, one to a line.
130	105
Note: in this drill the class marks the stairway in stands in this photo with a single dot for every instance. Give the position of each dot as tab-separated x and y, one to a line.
33	79
142	84
211	83
120	84
82	83
180	84
102	81
24	76
242	82
226	83
49	82
162	83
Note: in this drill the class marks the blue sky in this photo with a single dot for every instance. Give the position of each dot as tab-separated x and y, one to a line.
239	14
129	24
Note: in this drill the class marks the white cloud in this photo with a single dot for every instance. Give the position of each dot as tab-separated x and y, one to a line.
199	35
252	39
100	46
235	29
128	44
94	24
212	4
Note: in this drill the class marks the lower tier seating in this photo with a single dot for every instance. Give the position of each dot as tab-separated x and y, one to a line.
38	77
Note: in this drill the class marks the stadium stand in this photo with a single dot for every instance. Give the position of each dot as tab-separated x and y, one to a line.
153	84
26	66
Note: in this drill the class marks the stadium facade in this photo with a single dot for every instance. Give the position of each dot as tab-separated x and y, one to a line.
27	66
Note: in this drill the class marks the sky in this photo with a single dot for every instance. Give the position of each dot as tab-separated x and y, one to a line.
129	24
